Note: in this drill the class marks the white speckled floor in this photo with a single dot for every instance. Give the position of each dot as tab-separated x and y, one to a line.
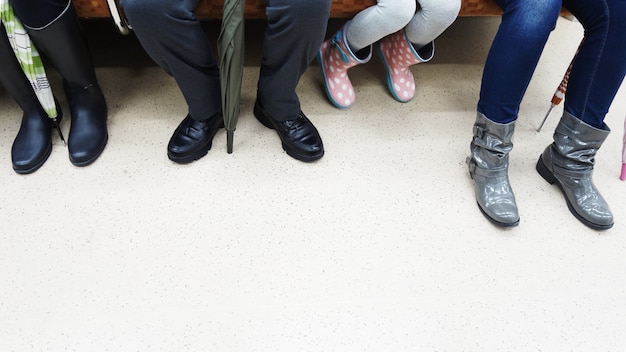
379	246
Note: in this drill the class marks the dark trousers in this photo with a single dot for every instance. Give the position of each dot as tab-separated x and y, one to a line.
173	37
38	13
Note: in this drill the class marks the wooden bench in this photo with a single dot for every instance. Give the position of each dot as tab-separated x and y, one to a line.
212	9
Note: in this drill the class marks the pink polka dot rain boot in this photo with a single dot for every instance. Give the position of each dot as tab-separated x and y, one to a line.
398	54
335	58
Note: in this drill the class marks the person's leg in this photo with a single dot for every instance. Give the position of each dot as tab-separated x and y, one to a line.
352	45
510	64
597	73
296	29
33	143
378	21
600	64
513	56
432	18
173	37
413	45
61	41
170	33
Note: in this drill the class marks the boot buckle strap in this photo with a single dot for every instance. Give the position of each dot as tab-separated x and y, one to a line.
475	169
479	131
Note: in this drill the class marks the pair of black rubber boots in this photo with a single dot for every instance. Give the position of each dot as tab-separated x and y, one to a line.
63	44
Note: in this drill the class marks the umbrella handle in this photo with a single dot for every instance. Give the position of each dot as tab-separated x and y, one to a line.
121	23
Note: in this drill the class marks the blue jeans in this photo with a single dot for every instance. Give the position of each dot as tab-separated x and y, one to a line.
170	33
597	72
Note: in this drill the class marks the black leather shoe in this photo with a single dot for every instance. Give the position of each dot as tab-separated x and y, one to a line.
299	137
193	139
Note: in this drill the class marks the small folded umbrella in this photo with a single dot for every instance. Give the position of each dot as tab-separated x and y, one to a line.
230	47
557	97
30	61
559	94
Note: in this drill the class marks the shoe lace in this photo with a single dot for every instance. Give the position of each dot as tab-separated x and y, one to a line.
336	42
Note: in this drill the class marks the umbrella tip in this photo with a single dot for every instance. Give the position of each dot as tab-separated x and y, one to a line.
230	135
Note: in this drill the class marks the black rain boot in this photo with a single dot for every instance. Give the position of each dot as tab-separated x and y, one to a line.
33	143
63	44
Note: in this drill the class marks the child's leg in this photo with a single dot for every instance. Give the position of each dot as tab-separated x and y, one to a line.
433	17
376	22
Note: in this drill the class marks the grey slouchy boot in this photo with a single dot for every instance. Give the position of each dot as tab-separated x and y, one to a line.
569	162
488	167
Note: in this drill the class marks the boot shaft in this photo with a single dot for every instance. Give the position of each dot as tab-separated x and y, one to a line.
63	43
576	143
340	53
398	47
491	144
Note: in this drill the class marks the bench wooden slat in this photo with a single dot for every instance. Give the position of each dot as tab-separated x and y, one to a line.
212	9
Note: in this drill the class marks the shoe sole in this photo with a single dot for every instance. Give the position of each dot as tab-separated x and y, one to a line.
542	169
260	116
496	222
198	154
190	158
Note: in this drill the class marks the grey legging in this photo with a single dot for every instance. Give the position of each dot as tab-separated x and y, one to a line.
389	16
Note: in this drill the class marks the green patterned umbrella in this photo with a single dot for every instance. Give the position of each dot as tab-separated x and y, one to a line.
30	61
230	49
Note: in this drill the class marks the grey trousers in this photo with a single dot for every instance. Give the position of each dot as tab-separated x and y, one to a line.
173	37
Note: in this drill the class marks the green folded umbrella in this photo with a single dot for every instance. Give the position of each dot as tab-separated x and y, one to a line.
29	59
230	47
